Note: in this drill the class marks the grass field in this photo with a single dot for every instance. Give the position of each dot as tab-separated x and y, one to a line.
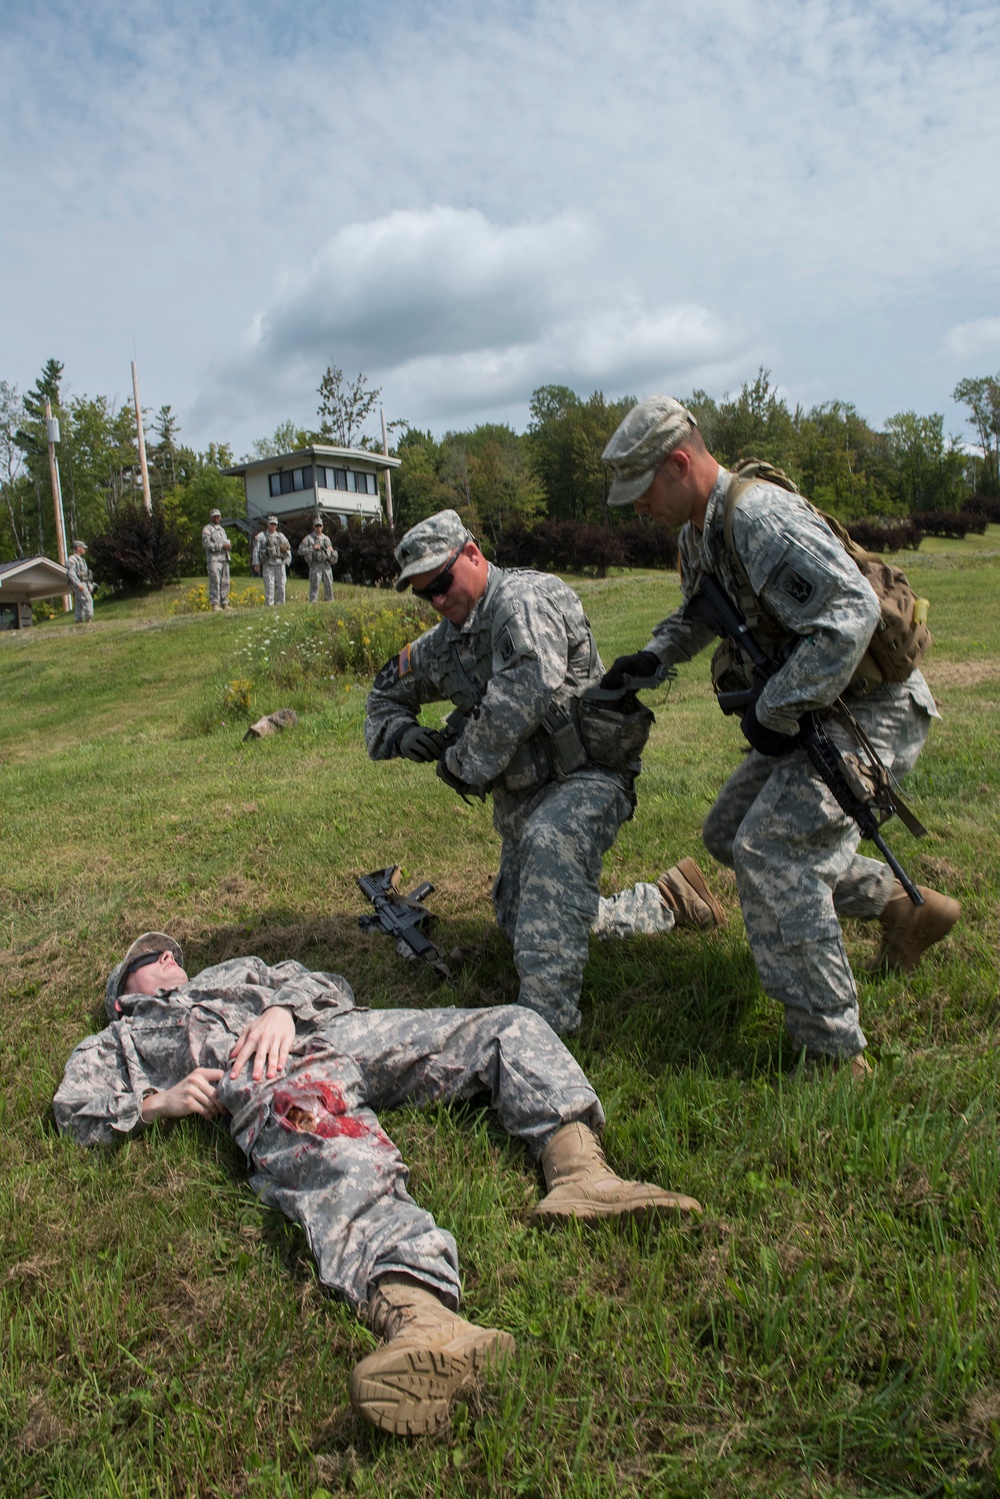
829	1328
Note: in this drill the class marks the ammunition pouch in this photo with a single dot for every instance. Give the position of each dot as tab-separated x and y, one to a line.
731	671
615	735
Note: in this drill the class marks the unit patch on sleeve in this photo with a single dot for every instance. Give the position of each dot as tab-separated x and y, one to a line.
796	586
394	670
504	645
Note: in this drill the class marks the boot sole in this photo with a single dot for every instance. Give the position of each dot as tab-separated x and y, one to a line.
590	1212
408	1391
692	873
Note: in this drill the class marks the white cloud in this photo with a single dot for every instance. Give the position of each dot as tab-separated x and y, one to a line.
455	314
977	339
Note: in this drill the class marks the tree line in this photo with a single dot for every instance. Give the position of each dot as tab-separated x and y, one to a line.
503	483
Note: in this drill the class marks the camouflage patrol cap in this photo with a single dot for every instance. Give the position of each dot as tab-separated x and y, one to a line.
648	434
318	522
213	513
149	942
81	544
429	544
272	520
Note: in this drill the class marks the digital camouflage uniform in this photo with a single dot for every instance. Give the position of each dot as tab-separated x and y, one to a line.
321	555
81	581
775	822
311	1136
523	654
216	544
272	553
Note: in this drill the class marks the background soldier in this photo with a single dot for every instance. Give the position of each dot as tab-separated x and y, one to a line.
321	555
217	548
297	1090
776	822
81	581
514	652
271	556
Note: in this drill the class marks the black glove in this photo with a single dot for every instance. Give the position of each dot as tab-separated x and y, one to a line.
421	744
642	664
465	789
766	741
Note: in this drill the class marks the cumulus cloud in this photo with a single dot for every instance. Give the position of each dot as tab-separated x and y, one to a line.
456	314
975	340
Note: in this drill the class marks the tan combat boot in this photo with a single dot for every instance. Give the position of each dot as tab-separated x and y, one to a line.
582	1185
407	1386
909	930
685	890
814	1066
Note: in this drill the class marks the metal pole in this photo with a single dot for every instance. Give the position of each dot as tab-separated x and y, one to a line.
388	479
52	432
142	442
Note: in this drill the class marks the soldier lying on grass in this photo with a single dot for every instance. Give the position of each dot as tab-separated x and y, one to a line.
282	1054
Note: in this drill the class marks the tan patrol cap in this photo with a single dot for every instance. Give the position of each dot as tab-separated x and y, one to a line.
647	435
428	545
149	942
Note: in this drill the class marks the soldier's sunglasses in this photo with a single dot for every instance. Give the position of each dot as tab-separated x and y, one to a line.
142	961
441	583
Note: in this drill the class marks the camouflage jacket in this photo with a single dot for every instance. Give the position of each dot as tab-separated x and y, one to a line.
317	550
78	572
525	649
163	1037
269	548
214	540
807	583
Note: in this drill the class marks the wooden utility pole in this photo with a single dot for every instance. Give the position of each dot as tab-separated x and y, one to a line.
142	442
388	477
52	433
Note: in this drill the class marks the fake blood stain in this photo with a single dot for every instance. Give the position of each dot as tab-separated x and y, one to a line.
318	1109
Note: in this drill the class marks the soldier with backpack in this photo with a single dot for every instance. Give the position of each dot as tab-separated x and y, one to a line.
844	642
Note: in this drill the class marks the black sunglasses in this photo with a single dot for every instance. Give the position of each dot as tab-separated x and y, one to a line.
141	962
442	582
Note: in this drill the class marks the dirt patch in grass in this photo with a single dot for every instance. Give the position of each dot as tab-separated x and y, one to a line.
962	673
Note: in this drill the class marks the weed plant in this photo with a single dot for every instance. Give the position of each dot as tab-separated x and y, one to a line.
829	1328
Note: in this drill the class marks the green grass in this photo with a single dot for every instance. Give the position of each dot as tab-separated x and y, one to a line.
830	1328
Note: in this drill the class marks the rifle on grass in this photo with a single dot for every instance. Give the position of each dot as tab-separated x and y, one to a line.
713	606
403	917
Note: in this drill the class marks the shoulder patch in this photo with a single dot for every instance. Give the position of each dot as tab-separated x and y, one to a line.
796	586
394	669
505	644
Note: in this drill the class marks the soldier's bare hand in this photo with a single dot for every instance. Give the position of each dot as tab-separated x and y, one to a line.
267	1038
194	1094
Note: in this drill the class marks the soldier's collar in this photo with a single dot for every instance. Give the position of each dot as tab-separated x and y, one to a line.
713	510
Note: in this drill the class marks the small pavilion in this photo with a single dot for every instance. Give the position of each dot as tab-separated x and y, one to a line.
24	581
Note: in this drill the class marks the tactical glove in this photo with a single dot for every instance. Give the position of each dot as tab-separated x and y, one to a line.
465	789
421	744
766	741
641	664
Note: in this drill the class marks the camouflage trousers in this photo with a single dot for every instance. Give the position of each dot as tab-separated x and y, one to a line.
273	574
546	892
218	580
321	575
797	868
319	1155
83	603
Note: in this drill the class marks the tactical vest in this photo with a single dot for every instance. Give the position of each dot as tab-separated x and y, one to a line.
559	746
270	547
900	640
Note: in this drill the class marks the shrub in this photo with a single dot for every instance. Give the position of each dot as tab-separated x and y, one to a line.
942	523
566	546
138	549
986	506
365	554
886	533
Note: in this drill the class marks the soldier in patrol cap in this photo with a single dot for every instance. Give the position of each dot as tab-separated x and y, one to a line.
272	553
81	581
514	652
319	552
217	548
775	822
281	1057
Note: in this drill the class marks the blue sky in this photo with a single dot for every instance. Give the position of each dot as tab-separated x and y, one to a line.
470	201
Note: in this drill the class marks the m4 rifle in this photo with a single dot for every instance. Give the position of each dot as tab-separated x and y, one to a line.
403	917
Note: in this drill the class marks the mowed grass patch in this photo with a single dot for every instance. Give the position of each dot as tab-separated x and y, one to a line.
829	1328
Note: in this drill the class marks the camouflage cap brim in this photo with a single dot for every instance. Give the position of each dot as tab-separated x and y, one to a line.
626	491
